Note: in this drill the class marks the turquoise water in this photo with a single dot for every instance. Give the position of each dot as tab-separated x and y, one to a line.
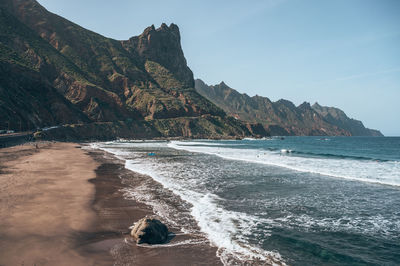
303	200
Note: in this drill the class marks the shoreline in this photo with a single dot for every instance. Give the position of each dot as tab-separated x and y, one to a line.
116	213
61	183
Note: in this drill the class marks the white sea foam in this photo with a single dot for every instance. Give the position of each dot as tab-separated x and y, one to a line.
207	143
387	173
264	138
228	230
180	243
221	226
376	225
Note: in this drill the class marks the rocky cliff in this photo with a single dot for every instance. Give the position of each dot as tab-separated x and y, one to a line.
337	117
55	72
283	117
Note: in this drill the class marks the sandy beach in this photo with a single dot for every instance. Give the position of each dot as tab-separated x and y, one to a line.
45	200
62	205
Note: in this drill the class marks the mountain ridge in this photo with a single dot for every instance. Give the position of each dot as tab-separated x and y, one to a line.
57	73
106	82
338	117
283	117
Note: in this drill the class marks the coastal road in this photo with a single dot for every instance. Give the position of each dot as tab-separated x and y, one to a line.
11	139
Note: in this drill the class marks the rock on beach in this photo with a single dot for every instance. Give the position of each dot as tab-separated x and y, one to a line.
150	231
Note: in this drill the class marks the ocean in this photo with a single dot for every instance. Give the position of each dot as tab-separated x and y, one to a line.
299	200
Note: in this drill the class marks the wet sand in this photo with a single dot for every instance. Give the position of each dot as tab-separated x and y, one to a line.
115	214
61	205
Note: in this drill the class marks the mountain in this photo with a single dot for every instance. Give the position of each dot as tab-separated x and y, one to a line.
337	117
283	117
56	73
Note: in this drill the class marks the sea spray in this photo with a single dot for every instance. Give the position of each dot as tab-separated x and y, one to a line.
222	227
374	171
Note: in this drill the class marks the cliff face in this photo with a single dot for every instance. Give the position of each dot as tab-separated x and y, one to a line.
27	98
162	45
281	117
94	79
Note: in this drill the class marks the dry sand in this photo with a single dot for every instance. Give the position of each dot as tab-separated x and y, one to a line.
61	205
45	200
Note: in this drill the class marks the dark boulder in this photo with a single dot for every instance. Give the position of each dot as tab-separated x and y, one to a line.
150	231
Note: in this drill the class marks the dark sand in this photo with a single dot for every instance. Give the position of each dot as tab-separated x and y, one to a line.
60	205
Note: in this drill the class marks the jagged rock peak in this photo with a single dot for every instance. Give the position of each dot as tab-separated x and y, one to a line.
305	105
316	104
172	28
148	30
223	84
164	33
286	103
163	46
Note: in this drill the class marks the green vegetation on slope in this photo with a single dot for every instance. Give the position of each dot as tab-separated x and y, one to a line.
99	80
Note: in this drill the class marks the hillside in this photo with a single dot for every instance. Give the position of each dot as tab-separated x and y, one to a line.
337	117
283	117
55	72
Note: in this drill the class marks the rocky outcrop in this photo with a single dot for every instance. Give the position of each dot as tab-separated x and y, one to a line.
162	45
337	117
150	231
282	117
258	130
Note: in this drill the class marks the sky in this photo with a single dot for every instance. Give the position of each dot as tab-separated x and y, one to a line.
342	53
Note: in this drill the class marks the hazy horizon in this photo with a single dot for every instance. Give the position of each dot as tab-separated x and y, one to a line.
343	53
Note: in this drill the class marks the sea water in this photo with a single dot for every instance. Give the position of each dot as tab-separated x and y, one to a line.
299	200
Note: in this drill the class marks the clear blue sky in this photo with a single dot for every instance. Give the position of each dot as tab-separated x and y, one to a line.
343	53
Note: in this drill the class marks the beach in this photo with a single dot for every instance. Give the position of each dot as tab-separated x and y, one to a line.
247	202
63	205
297	201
